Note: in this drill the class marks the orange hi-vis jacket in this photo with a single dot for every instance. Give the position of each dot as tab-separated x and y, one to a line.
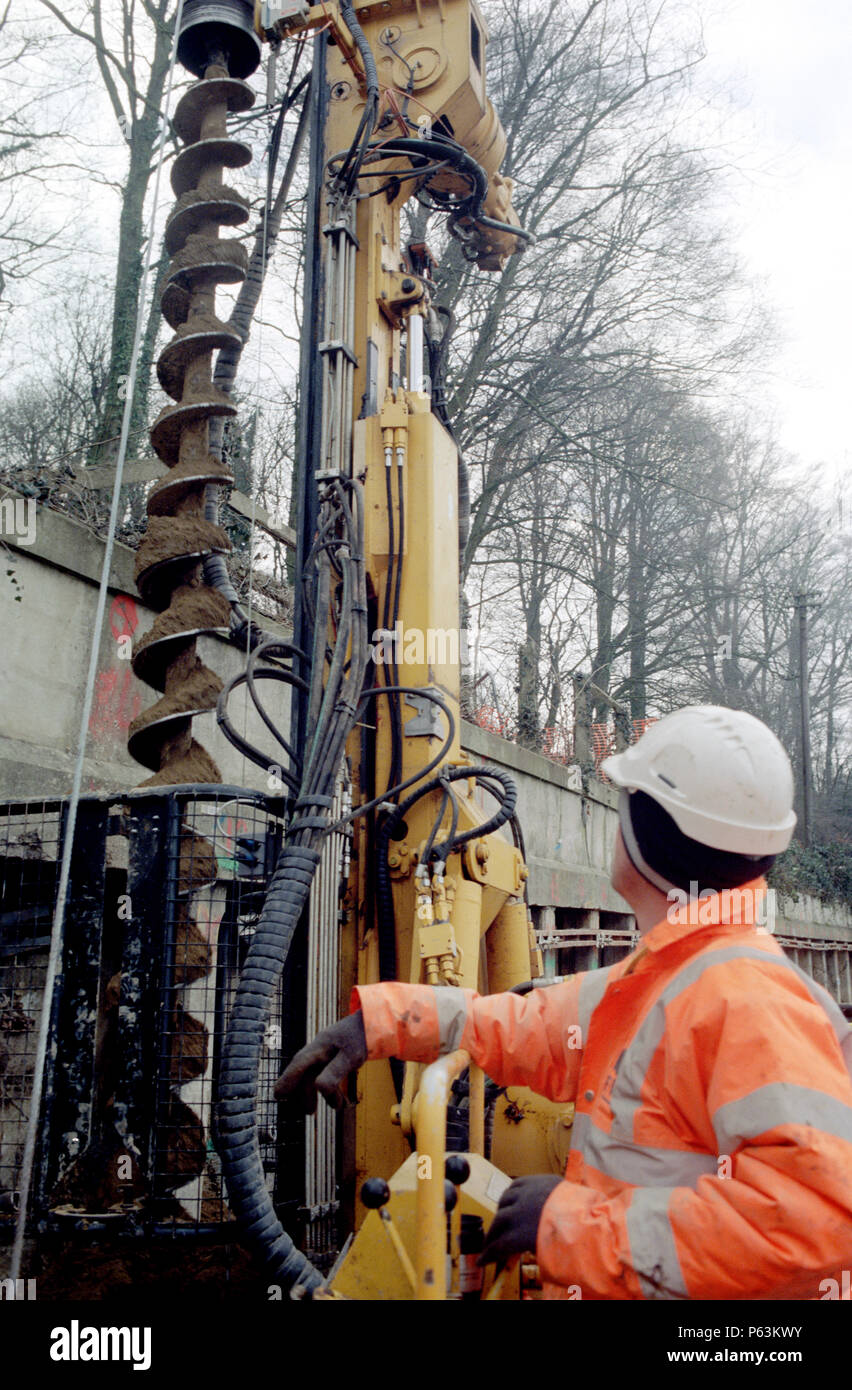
712	1145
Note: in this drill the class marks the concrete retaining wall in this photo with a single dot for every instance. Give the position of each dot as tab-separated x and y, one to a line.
46	621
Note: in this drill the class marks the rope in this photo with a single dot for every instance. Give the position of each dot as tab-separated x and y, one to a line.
58	924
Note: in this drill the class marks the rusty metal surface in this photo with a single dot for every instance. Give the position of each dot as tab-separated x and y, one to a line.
169	571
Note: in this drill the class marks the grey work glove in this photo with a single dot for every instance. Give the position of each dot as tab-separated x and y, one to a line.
515	1225
324	1065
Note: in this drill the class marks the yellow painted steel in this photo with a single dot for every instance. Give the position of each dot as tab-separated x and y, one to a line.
441	45
466	916
371	1269
530	1134
507	947
431	61
427	637
430	1124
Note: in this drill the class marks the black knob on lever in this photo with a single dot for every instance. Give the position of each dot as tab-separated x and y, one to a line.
457	1169
375	1193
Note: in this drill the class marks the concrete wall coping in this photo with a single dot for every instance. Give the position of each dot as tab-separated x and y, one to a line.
71	545
511	755
68	544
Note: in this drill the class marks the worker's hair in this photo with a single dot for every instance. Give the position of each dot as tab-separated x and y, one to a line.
680	861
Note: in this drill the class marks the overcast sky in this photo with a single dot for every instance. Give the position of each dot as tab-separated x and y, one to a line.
786	64
780	68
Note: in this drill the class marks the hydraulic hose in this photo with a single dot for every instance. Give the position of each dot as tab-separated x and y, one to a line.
384	898
460	774
352	162
287	896
236	1110
451	152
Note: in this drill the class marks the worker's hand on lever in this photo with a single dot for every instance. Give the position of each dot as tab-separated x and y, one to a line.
324	1065
515	1225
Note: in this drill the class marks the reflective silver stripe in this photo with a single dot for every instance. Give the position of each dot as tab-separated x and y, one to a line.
652	1247
633	1067
452	1016
780	1103
592	989
579	1131
639	1164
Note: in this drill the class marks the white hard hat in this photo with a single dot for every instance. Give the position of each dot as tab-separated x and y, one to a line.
720	773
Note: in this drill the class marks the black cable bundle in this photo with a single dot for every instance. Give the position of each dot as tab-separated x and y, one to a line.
342	530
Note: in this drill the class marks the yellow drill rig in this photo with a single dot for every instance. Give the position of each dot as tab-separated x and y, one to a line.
436	875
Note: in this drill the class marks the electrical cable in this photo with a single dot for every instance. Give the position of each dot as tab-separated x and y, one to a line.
462	210
388	42
414	148
391	616
458	774
236	740
484	774
397	176
389	621
396	765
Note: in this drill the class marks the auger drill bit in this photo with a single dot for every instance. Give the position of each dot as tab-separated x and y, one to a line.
169	572
169	564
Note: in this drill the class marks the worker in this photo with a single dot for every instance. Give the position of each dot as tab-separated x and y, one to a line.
711	1150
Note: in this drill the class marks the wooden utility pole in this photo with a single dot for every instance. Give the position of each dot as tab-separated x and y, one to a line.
802	602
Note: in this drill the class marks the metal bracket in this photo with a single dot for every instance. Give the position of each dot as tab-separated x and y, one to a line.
277	18
436	939
341	225
337	345
398	293
370	398
427	721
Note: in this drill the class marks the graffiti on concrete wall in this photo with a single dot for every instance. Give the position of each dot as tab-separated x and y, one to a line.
118	695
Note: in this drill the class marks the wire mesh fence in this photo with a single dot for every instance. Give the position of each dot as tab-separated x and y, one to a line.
217	865
165	893
29	851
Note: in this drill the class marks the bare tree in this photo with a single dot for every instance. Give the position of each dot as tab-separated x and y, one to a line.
132	64
628	272
29	133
